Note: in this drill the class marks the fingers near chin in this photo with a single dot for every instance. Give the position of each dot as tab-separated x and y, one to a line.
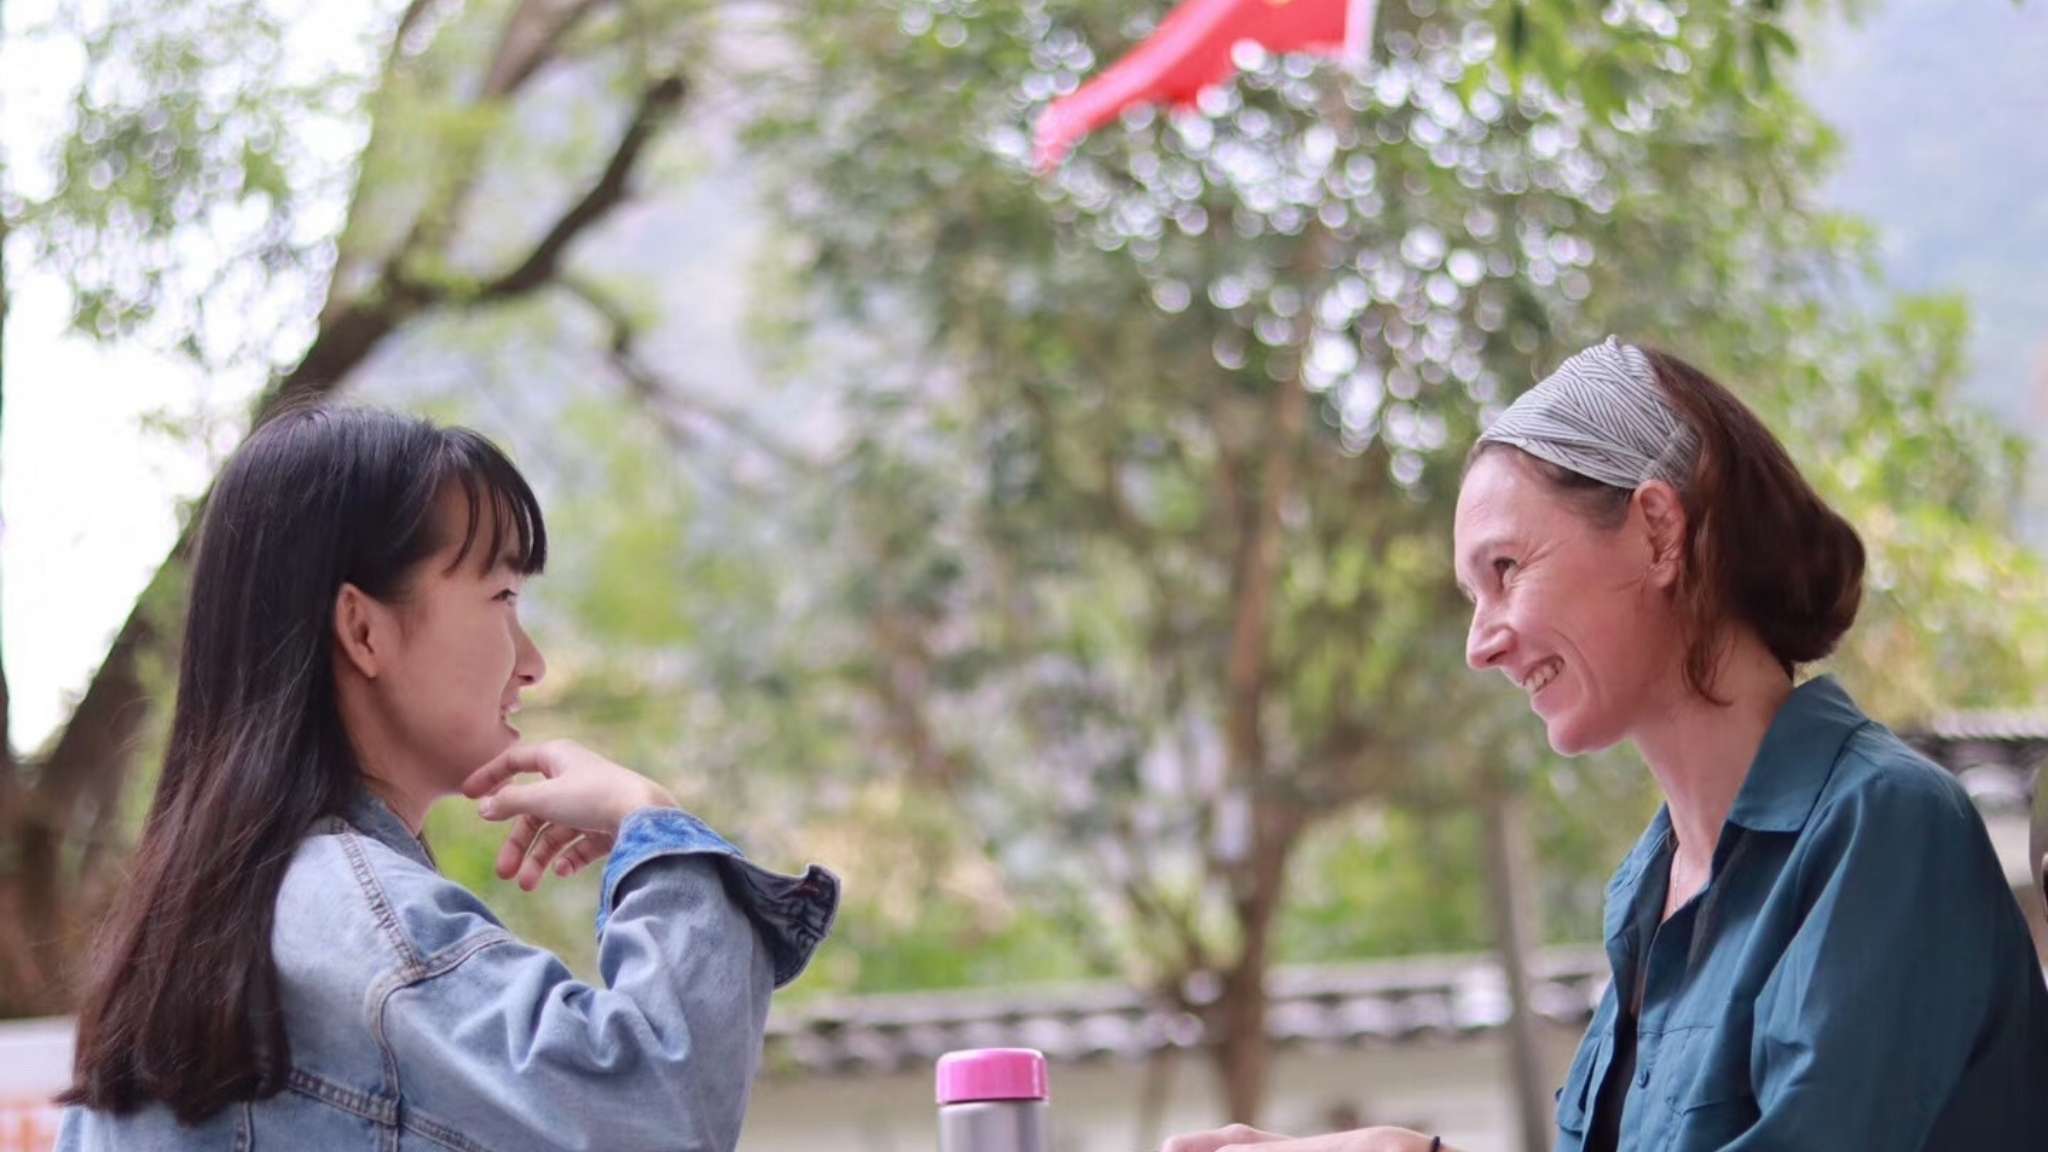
513	761
486	779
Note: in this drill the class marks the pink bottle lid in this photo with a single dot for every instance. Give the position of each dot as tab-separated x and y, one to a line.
992	1074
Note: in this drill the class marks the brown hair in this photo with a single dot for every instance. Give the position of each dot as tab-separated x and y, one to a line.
1761	545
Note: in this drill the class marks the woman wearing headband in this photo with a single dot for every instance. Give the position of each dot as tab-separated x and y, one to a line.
1813	944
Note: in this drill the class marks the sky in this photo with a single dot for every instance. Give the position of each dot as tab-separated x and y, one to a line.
87	499
89	495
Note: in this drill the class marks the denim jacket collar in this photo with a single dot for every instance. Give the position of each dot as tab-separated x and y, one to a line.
369	815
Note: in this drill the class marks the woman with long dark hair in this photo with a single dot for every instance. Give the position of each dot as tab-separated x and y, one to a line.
286	968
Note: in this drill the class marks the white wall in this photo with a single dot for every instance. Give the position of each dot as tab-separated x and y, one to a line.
35	1064
1453	1087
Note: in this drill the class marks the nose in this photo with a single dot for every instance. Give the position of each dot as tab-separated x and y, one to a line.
1487	642
528	664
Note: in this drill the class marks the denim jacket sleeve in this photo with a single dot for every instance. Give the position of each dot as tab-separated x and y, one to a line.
507	1050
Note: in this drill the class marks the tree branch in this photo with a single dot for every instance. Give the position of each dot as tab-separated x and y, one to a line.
1178	921
658	101
347	337
7	764
1254	573
532	37
902	682
92	751
666	400
415	11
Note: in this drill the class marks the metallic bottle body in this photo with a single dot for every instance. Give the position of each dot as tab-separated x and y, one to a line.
994	1126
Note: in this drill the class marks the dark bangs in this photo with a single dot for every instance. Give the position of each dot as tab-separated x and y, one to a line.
490	482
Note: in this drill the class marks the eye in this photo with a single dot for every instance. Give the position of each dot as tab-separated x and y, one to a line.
1502	565
509	595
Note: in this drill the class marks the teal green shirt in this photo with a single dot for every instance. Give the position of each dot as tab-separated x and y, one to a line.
1855	975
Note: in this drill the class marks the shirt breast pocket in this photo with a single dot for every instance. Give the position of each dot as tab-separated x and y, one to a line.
1714	1064
1575	1098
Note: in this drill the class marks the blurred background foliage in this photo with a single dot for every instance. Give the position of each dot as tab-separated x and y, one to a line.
1062	558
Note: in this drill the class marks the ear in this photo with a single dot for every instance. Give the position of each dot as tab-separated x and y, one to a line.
1664	523
358	632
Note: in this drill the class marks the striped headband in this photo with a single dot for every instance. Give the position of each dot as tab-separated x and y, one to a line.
1602	415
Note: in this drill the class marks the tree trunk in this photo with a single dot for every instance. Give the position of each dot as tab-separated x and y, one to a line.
6	738
1154	1093
1511	888
19	974
7	781
1243	1051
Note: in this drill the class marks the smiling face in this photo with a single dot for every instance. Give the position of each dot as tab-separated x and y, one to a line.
452	655
1576	612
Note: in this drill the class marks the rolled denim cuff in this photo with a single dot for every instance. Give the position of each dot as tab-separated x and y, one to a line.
793	914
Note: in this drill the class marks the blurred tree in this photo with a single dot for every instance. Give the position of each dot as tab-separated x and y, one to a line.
1956	608
1212	383
282	209
1112	632
13	955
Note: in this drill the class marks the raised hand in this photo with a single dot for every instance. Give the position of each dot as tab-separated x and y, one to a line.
569	818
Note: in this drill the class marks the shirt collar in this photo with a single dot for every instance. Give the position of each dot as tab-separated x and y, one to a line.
1784	782
373	818
1621	890
1797	757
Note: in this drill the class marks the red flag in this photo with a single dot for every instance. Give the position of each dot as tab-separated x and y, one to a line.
1191	51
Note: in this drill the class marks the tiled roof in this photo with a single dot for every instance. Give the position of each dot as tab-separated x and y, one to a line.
1996	755
1377	1003
1988	727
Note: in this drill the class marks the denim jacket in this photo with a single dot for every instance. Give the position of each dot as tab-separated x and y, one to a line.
417	1022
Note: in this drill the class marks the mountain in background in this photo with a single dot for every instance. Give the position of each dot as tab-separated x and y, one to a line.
1942	106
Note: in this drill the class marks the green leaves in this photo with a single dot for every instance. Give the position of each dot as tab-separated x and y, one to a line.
1956	610
986	646
1409	246
188	183
1601	54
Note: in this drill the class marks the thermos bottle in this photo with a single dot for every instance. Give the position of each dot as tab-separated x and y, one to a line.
993	1100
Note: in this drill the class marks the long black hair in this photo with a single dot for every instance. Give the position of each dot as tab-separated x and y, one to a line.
183	1004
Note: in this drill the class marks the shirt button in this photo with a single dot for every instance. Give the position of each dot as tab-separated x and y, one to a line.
1643	1077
